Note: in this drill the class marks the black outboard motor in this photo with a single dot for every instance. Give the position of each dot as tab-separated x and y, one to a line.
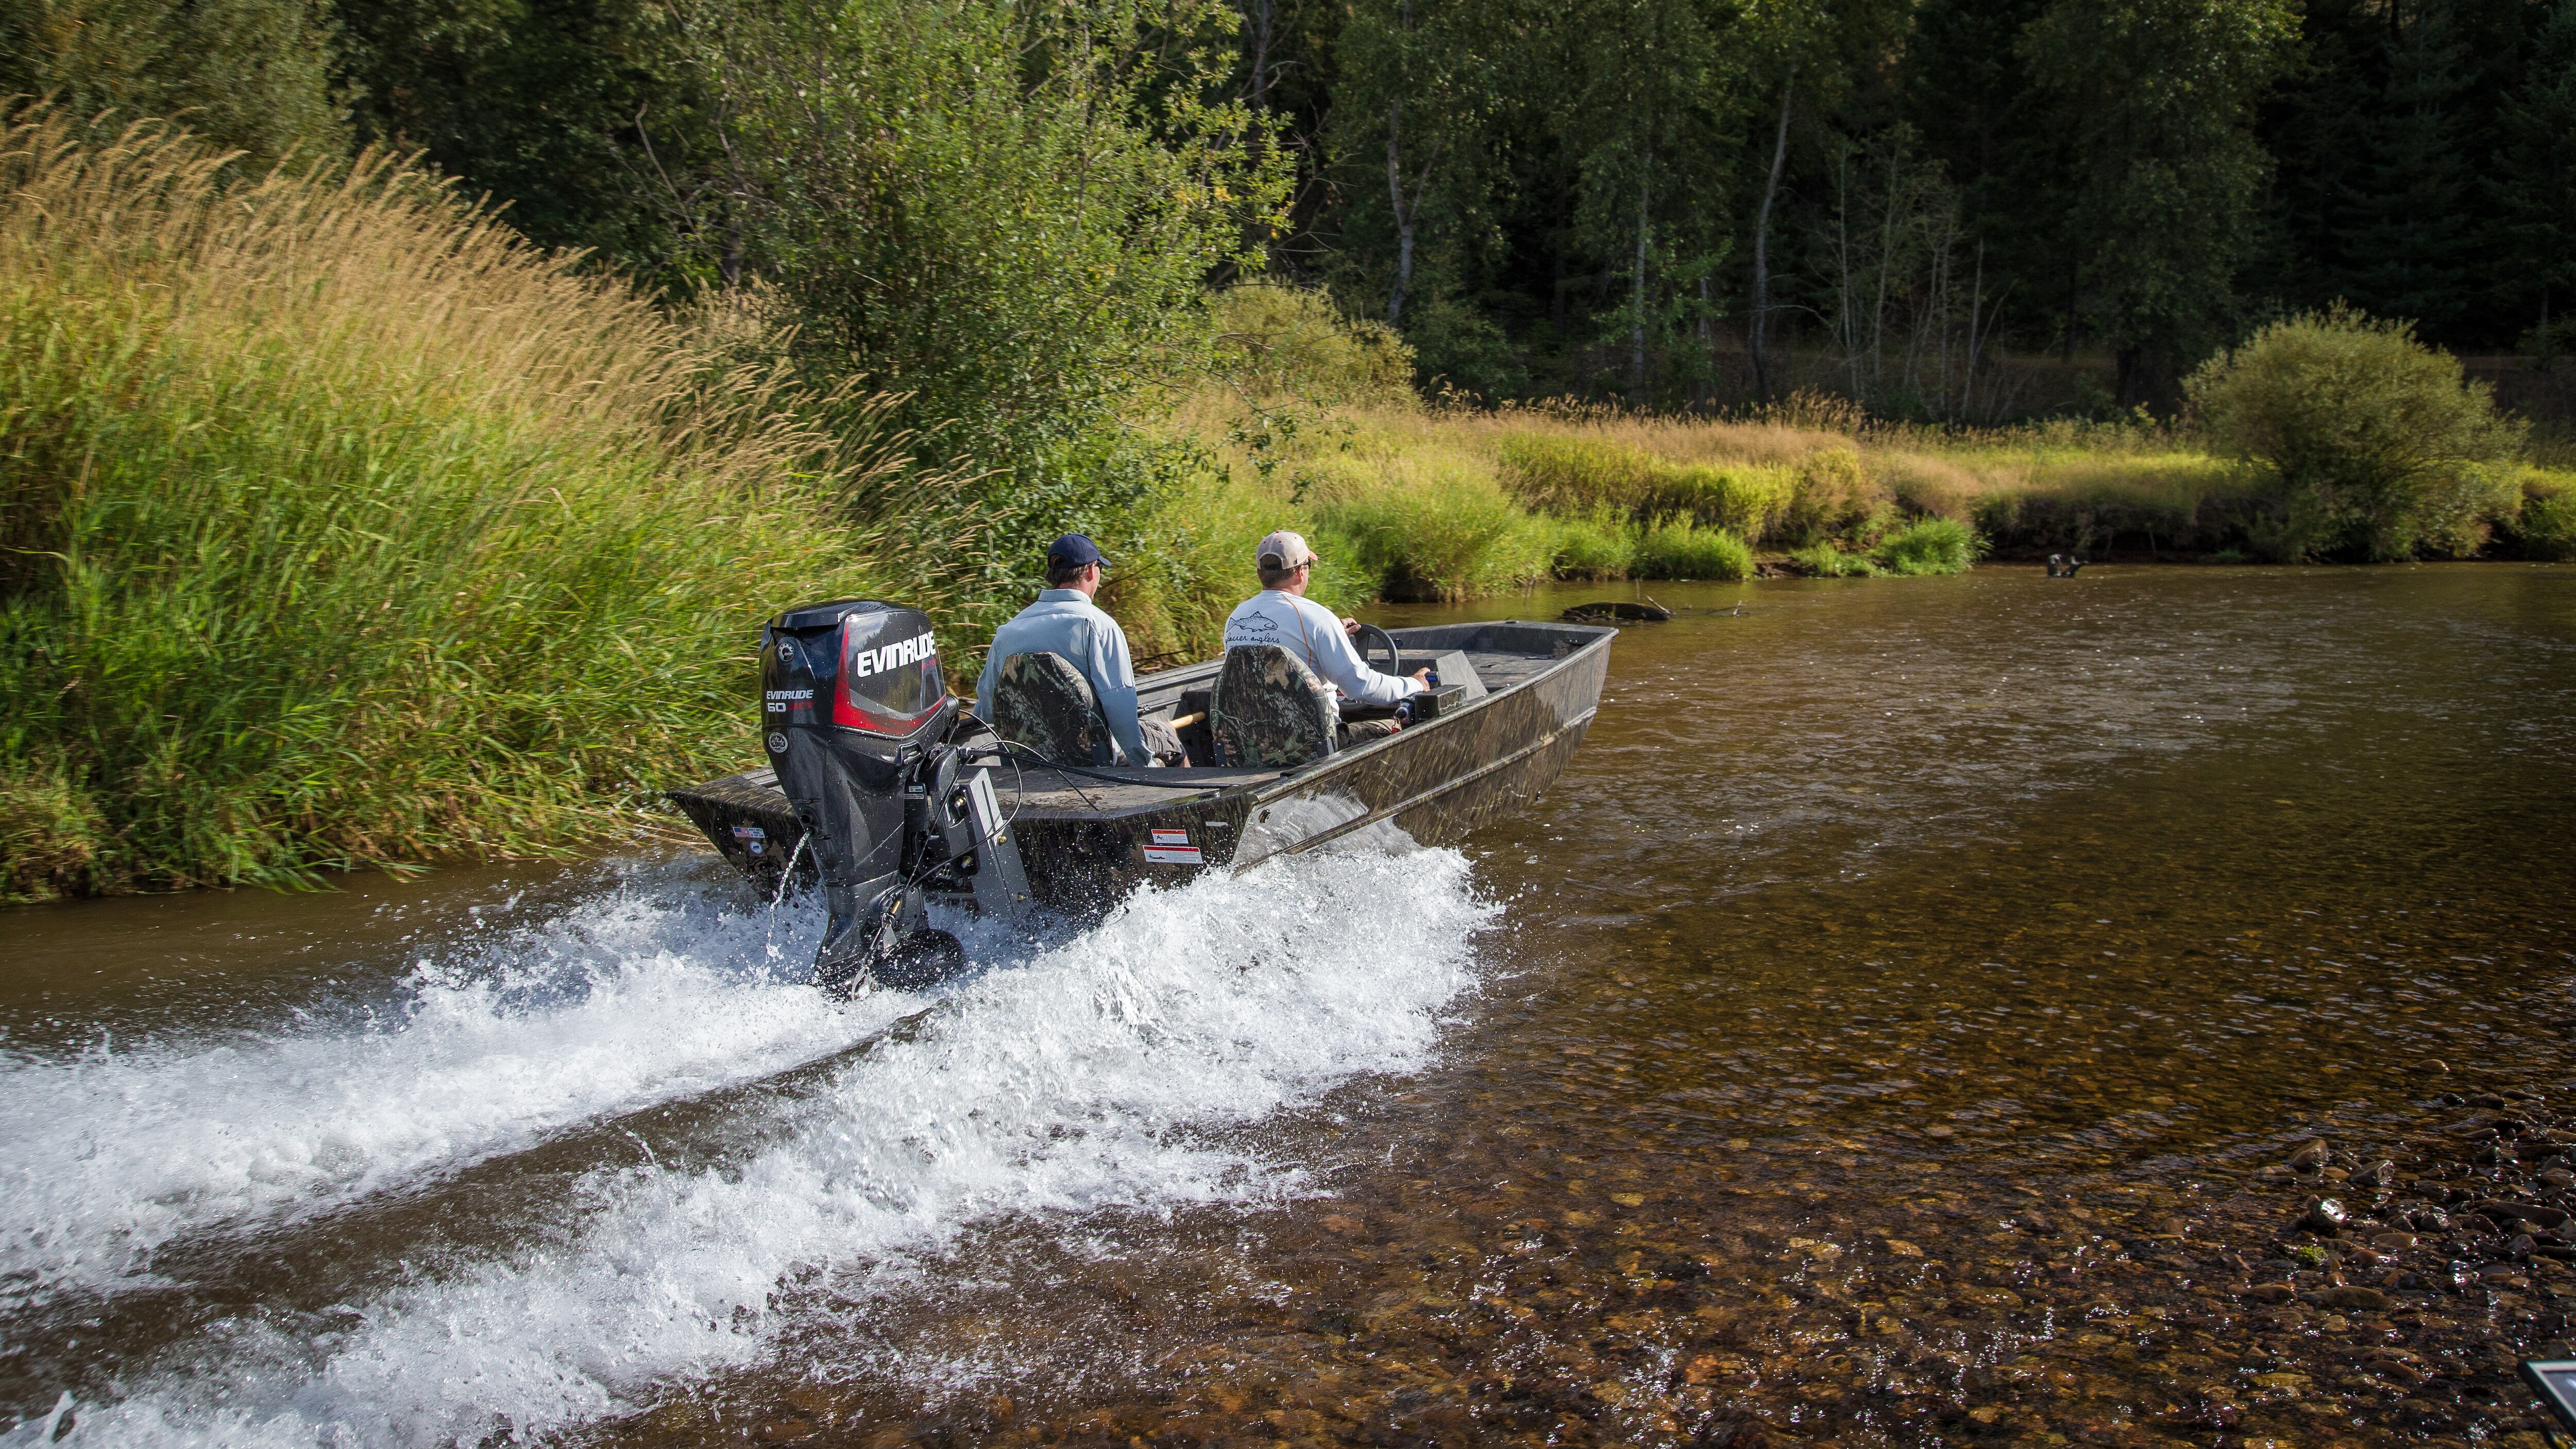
856	720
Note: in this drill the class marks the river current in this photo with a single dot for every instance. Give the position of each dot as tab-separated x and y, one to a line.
1709	1101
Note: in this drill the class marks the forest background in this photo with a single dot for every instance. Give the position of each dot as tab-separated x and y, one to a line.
752	300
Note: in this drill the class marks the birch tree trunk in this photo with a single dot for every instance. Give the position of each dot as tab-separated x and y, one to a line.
1637	335
1403	214
1759	323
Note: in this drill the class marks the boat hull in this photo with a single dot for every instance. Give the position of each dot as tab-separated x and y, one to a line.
1087	841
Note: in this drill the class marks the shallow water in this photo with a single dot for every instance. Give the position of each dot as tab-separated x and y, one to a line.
1696	1099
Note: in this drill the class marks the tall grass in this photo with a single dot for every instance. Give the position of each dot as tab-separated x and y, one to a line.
338	527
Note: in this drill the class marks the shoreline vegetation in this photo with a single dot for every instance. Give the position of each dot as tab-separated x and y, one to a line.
347	529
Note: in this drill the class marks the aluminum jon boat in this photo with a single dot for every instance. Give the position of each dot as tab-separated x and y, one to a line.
883	789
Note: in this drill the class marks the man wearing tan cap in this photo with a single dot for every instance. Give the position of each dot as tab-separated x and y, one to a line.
1282	614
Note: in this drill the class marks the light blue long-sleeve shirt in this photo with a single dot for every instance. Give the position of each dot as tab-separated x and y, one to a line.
1064	621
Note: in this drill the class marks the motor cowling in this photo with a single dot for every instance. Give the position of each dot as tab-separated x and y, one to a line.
853	704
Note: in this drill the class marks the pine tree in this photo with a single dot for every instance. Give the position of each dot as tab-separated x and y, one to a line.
2534	189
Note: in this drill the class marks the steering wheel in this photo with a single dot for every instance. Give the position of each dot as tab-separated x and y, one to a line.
1370	635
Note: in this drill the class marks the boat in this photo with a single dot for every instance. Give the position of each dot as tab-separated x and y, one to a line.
886	791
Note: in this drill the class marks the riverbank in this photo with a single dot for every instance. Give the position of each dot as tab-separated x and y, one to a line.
1425	503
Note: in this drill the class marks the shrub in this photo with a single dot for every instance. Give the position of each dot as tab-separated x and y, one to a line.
1824	561
338	527
1598	545
1744	501
2375	438
1442	533
1929	546
1579	476
1833	496
1568	474
1276	342
1683	550
2546	526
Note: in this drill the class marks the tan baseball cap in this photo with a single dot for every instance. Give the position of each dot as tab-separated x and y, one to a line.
1282	550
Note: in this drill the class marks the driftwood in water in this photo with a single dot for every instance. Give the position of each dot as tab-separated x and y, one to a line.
1621	610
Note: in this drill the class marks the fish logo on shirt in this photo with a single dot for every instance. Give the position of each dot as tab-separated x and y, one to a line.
1256	629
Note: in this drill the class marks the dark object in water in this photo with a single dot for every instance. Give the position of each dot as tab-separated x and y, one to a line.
2063	566
885	791
1622	610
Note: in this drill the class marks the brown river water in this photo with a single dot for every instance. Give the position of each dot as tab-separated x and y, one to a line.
1885	1033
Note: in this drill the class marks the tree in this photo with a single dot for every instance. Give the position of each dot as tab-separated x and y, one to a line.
2535	189
1007	212
1653	125
250	75
586	118
2156	99
1416	95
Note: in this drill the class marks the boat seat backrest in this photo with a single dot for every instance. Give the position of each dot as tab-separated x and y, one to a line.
1270	711
1042	701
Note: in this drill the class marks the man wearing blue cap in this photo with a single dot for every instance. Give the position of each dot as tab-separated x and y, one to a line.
1064	621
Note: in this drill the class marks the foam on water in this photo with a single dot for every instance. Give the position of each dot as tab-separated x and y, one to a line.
1104	1071
637	996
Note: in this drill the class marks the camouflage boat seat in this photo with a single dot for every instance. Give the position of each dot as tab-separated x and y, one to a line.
1270	711
1042	701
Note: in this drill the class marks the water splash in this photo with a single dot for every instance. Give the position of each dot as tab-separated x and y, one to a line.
1111	1069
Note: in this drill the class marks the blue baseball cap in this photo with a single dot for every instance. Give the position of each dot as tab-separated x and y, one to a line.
1073	551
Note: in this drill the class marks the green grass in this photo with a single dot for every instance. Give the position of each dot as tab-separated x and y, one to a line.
1824	561
342	529
2545	527
1689	551
1928	546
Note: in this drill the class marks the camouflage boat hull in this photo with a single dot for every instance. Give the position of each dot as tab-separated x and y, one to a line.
1088	840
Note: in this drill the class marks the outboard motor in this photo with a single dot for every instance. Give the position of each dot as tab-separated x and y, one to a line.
857	721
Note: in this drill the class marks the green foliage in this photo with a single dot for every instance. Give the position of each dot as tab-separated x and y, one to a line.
338	527
1824	561
2545	526
2156	100
1277	342
1579	476
586	118
1928	546
2377	440
1446	533
1690	551
1601	544
1006	212
252	75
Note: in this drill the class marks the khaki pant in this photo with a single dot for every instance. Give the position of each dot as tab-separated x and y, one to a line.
1361	731
1162	743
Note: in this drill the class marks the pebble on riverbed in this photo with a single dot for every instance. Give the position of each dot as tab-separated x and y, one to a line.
2206	1307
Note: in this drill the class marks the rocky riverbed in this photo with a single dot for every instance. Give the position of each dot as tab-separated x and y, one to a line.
2373	1286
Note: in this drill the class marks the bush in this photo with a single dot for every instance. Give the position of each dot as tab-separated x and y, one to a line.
337	527
1442	533
1683	550
2375	438
1598	545
1744	501
1929	546
1576	475
2546	526
1579	476
1277	342
1824	561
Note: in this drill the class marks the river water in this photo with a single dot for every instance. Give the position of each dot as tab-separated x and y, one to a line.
1726	1096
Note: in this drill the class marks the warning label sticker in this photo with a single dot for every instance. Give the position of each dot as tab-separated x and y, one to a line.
1171	847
